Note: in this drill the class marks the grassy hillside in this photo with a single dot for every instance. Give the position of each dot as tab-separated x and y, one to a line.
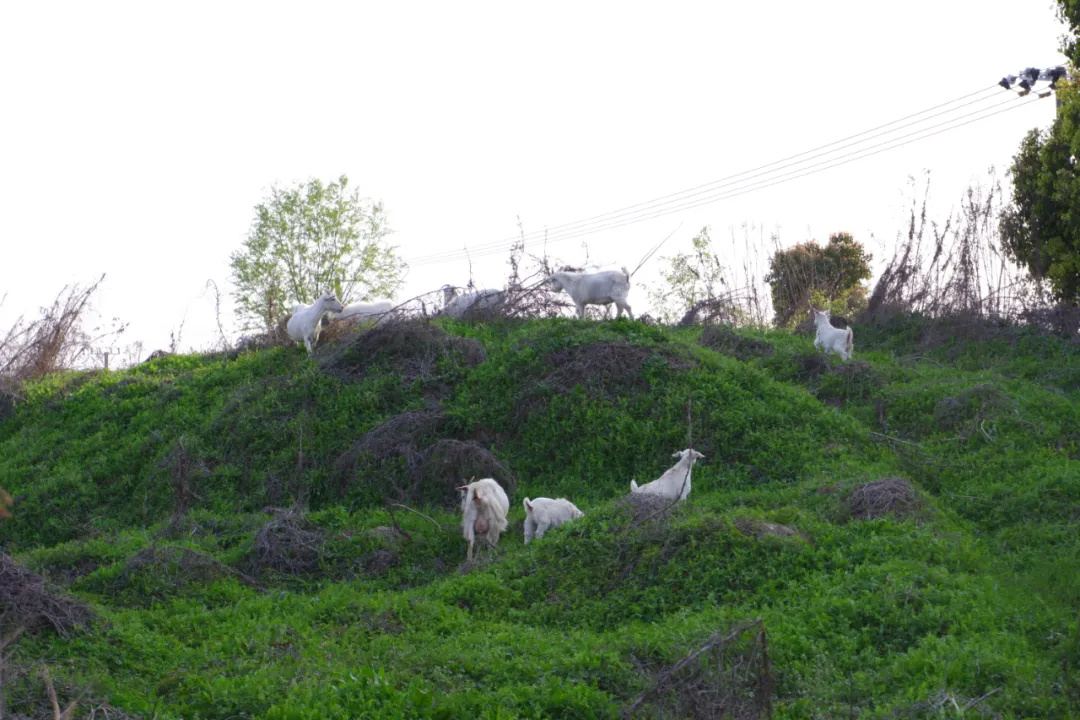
903	527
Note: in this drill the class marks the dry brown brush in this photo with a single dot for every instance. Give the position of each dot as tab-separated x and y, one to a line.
288	543
412	347
57	340
887	496
955	272
730	676
28	601
723	339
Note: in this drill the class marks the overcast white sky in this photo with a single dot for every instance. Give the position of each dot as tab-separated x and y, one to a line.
136	138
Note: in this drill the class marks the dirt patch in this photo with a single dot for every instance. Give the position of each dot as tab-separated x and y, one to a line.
608	367
724	340
30	602
288	543
888	496
411	347
756	528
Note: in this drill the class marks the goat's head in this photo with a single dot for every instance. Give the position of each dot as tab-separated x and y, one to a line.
330	302
694	454
815	314
449	292
555	283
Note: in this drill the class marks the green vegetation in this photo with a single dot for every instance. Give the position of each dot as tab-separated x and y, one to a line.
1040	229
306	240
827	276
949	590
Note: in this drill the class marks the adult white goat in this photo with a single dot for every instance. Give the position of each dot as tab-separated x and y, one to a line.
675	483
306	321
376	310
458	305
542	513
830	338
600	288
483	509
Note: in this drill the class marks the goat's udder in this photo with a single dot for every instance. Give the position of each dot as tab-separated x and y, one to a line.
480	525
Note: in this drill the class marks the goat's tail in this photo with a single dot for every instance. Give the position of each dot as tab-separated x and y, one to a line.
849	341
633	486
525	504
626	274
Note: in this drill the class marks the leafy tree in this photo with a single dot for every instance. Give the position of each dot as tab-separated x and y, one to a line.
829	275
307	239
1041	227
689	278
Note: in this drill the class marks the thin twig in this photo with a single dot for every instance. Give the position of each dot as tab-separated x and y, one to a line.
406	507
714	641
972	703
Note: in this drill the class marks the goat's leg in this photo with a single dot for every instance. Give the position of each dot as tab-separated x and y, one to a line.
468	555
581	311
541	528
307	344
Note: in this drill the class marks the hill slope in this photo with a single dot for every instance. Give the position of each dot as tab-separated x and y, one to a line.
142	492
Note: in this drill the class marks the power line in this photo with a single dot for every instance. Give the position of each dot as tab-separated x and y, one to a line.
685	203
648	207
721	182
803	172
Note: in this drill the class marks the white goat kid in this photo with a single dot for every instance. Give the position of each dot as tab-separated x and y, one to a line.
674	484
483	508
830	338
459	305
542	513
306	321
601	288
376	310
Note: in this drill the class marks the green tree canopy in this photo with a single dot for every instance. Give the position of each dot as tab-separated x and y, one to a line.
308	239
829	275
689	278
1040	229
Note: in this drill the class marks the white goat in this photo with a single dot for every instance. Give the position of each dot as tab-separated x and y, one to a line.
306	321
542	513
376	310
601	288
828	337
458	305
483	509
675	483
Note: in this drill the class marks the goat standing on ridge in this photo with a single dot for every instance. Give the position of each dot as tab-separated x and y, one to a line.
830	338
674	484
459	305
306	321
376	310
483	508
601	288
